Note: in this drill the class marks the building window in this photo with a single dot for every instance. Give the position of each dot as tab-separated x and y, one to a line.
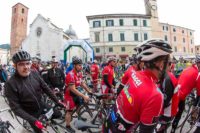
174	39
166	28
22	10
121	22
134	22
97	50
191	41
174	29
163	28
184	49
96	24
166	39
183	40
175	49
145	23
109	23
110	49
190	33
191	50
197	49
15	10
122	37
145	36
183	31
110	37
136	37
123	49
97	36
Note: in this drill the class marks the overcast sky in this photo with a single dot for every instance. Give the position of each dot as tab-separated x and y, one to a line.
65	12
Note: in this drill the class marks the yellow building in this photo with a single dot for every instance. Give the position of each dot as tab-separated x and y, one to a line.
118	34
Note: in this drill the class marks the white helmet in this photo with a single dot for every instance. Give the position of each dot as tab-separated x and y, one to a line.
95	61
152	49
112	58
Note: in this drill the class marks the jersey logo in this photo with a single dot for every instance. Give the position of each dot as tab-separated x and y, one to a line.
136	80
130	100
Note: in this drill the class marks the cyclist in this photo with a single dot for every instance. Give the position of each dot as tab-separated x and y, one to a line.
108	76
188	80
56	76
94	74
140	102
134	66
24	92
74	80
170	108
35	64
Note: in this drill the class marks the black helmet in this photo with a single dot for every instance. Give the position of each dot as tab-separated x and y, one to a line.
76	60
21	56
197	59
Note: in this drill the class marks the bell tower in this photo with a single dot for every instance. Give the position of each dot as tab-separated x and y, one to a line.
151	8
18	26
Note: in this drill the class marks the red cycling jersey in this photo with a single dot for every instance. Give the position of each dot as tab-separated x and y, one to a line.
94	72
140	100
188	80
108	70
127	74
71	79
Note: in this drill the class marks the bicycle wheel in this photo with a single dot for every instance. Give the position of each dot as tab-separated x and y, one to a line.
186	112
190	121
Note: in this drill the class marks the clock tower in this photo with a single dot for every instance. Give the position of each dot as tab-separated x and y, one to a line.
151	8
18	26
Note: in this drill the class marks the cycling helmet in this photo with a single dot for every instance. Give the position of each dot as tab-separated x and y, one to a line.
54	60
21	56
197	59
152	49
95	61
111	58
133	59
76	60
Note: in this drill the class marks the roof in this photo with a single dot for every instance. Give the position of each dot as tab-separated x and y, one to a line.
119	15
5	46
176	26
52	26
20	4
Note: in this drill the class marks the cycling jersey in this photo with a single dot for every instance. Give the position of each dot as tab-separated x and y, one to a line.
25	95
56	78
188	81
127	74
72	78
170	96
108	70
140	100
94	73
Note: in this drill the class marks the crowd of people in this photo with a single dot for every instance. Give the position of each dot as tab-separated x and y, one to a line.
153	87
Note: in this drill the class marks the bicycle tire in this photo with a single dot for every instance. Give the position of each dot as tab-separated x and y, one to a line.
186	112
185	122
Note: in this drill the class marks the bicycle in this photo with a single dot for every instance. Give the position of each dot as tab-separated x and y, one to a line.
191	119
5	125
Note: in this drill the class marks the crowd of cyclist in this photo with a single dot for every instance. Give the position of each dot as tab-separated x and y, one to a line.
153	88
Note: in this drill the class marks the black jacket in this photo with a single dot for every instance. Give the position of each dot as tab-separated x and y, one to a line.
56	78
24	95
